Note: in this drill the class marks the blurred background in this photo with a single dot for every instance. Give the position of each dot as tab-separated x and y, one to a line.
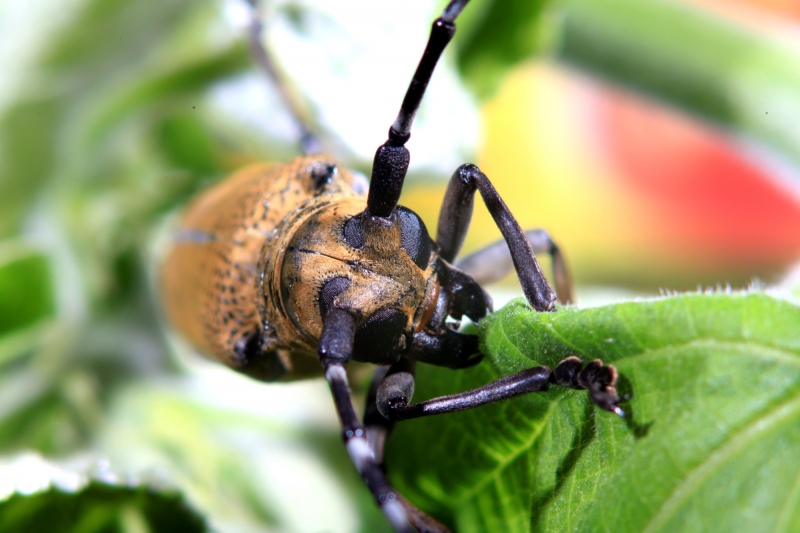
658	141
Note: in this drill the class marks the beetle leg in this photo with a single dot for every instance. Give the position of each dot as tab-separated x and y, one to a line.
308	141
421	521
493	262
454	221
377	428
335	349
448	348
394	396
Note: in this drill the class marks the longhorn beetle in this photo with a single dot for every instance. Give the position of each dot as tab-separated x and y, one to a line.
288	271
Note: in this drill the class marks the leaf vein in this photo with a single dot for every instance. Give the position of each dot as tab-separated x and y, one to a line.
789	506
774	352
494	474
735	443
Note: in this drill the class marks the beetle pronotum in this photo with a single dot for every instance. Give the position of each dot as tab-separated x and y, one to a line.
289	271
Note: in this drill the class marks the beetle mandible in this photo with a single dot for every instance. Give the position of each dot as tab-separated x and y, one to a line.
288	271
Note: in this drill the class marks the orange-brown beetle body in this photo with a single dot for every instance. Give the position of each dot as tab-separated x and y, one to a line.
250	255
210	275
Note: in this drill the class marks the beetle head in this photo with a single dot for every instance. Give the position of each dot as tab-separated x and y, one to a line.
381	270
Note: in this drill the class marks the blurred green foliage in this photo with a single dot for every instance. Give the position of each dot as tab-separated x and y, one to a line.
111	127
26	290
100	508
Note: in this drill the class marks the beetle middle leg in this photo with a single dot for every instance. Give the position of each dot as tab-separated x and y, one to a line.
492	262
454	220
394	393
389	401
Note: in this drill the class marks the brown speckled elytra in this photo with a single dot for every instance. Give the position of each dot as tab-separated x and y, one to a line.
221	284
289	271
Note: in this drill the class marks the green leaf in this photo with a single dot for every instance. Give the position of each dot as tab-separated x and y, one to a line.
27	145
710	445
79	60
243	451
87	498
188	79
26	297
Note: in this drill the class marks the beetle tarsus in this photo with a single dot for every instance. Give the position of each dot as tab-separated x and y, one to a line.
598	378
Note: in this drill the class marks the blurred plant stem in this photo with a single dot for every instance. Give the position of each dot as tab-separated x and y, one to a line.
734	76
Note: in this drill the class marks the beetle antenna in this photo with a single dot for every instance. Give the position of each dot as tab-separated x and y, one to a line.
391	159
309	142
442	31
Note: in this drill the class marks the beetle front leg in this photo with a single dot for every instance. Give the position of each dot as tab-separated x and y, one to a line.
335	350
394	394
454	221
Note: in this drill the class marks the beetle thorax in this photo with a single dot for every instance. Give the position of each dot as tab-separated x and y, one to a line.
380	270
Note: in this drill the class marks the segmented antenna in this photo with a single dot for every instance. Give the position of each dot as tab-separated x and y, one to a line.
308	140
392	158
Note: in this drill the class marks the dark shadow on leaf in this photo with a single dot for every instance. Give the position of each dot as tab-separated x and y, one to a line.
584	435
639	430
624	387
625	390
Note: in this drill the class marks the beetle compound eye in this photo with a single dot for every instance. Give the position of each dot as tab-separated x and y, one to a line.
353	233
414	237
378	340
332	288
